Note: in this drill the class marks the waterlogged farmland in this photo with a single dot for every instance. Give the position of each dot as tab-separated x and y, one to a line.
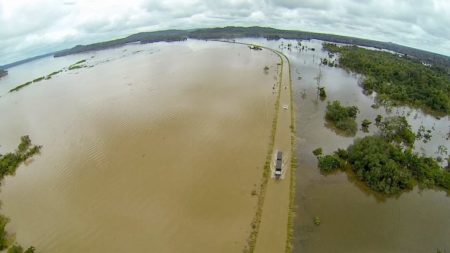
148	146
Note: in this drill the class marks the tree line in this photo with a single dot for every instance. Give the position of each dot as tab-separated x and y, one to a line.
397	78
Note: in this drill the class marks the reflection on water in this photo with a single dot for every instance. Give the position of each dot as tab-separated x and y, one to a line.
156	148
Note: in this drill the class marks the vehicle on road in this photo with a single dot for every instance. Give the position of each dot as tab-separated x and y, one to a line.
278	164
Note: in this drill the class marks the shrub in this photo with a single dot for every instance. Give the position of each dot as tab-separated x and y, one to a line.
329	163
342	117
317	151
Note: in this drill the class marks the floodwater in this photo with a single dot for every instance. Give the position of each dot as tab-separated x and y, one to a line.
156	148
353	218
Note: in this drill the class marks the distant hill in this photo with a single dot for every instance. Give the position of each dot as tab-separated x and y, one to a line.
10	65
231	32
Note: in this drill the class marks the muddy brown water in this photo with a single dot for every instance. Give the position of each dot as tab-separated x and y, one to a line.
141	154
156	148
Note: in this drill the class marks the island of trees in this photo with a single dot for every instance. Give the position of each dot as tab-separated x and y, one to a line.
396	78
385	161
8	165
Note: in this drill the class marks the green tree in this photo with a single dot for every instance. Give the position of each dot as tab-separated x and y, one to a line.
365	125
342	117
329	163
397	129
317	151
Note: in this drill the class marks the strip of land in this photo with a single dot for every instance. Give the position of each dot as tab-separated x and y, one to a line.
272	226
272	234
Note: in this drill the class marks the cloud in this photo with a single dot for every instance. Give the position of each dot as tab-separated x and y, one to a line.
29	28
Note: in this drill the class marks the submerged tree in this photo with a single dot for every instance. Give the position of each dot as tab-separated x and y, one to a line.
342	117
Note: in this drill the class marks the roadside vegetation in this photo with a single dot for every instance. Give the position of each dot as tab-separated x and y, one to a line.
398	79
342	117
386	162
365	125
293	169
8	165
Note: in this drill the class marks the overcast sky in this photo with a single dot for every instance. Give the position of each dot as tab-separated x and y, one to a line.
33	27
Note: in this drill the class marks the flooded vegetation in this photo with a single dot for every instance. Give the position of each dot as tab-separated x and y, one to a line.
351	215
342	117
77	65
398	79
154	144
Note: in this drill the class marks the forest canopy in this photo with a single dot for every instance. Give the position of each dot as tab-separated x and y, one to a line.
397	78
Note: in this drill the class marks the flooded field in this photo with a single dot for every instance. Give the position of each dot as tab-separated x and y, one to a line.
353	218
155	148
159	148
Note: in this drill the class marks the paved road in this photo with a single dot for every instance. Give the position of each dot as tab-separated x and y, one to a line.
272	233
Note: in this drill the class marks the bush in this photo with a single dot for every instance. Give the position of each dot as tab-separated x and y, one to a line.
396	129
317	151
322	93
4	237
378	119
365	123
342	117
329	163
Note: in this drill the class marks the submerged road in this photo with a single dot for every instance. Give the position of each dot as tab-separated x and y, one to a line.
273	230
275	217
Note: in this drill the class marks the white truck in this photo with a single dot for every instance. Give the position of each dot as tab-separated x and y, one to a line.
278	164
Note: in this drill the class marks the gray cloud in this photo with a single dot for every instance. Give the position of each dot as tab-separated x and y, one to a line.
28	28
